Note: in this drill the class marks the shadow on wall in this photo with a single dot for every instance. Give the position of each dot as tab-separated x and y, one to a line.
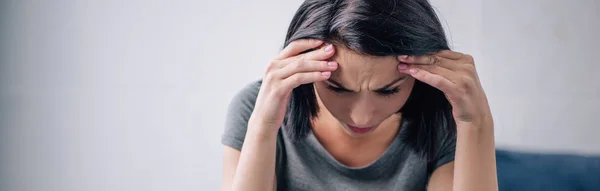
547	172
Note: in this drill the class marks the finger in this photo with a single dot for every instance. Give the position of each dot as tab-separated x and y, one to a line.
425	59
452	76
323	53
304	78
434	80
298	46
430	60
448	54
301	66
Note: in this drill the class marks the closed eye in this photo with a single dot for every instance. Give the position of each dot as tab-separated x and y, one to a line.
380	92
337	90
388	92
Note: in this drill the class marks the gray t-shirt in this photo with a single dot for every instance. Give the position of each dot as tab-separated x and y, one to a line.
306	165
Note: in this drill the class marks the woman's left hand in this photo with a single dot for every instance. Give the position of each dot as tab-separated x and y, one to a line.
454	74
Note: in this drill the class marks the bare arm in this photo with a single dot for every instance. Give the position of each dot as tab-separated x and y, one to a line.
475	159
442	178
474	167
254	167
454	73
231	157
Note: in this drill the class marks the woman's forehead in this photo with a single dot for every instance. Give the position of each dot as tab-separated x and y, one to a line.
349	60
357	69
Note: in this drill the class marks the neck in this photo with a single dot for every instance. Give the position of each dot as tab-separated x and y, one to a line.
344	147
327	128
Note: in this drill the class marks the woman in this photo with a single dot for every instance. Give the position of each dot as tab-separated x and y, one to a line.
365	95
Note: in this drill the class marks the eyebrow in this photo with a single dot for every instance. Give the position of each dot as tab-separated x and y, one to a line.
339	85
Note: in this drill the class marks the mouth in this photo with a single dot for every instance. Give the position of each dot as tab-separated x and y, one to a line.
360	130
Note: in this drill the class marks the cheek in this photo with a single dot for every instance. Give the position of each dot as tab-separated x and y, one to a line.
336	104
331	100
389	105
398	100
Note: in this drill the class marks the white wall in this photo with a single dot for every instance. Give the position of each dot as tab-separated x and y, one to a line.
131	95
542	71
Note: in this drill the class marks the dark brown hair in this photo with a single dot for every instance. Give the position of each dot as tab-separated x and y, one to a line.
378	28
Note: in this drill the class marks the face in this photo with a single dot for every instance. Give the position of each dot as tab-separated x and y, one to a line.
364	91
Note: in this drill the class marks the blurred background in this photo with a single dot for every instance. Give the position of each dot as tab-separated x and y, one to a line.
131	95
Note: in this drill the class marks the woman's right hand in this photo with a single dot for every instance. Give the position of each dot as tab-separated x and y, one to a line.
287	71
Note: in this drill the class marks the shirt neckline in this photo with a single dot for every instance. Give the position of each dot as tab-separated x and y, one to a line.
383	165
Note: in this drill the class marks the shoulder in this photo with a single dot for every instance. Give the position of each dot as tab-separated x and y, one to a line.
246	96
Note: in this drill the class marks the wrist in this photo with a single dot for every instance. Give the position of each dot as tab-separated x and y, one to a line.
484	126
484	121
261	131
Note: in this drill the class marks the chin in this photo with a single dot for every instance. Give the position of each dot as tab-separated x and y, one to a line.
358	131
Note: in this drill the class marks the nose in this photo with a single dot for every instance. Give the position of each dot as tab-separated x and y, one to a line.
362	113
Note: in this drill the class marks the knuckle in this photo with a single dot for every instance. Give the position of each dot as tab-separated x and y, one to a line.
432	59
269	77
432	68
470	68
468	58
464	85
314	65
297	79
459	98
316	75
273	62
427	60
460	91
298	64
323	65
437	82
471	84
271	66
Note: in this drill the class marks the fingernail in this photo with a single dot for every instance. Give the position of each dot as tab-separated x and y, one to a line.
403	57
328	48
412	71
332	64
402	66
326	74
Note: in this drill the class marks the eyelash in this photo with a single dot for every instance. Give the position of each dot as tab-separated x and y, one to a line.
336	89
382	93
389	92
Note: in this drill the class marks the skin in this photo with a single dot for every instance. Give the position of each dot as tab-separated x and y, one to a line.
453	73
361	106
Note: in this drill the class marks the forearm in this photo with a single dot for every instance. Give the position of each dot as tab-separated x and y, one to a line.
256	166
475	159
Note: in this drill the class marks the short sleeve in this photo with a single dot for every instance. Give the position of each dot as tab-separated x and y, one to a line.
446	150
238	112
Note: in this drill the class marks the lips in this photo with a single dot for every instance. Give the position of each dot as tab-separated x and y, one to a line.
359	130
